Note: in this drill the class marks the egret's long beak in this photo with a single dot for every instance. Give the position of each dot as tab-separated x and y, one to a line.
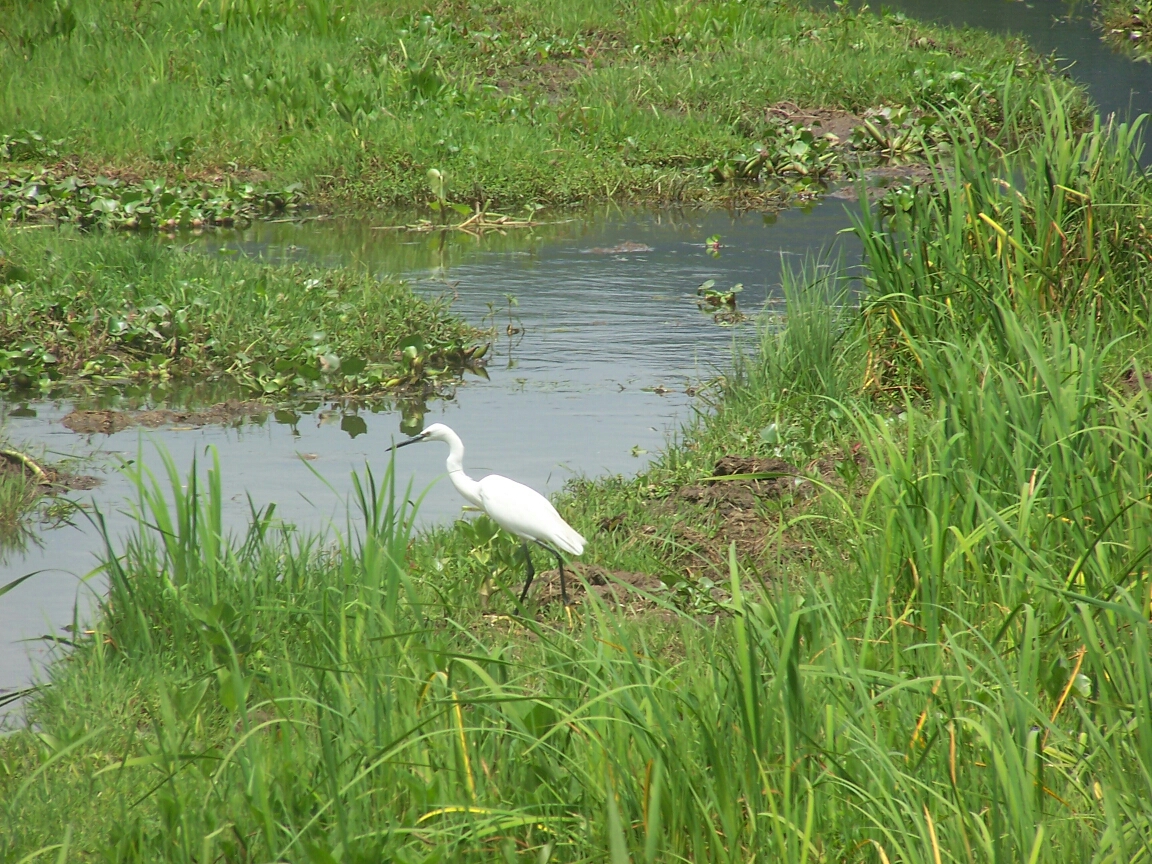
415	440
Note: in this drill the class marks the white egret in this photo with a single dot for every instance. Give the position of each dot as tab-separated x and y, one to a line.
511	505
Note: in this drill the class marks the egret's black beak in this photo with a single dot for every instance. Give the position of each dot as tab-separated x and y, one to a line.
415	440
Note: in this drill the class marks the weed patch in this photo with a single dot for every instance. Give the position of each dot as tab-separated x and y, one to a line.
94	309
1127	25
49	197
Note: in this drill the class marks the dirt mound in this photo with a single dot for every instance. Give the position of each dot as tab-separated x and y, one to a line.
618	589
818	121
738	481
110	422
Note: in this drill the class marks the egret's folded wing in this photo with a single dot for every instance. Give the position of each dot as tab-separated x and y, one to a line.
528	514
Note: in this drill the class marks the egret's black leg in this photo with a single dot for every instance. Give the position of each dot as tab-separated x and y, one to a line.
560	565
531	573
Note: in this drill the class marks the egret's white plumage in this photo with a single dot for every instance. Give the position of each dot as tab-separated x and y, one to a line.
511	505
527	514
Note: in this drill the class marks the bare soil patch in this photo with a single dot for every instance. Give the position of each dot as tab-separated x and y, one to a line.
818	121
1134	383
110	422
743	502
751	479
617	589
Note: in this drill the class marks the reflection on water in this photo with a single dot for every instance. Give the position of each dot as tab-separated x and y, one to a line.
599	345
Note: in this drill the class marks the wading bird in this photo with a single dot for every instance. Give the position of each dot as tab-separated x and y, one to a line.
511	505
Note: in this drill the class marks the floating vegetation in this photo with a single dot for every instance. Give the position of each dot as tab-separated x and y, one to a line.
628	247
43	196
895	133
27	145
791	151
97	308
477	221
720	303
477	224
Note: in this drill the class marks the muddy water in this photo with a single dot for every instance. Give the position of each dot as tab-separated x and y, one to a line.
607	347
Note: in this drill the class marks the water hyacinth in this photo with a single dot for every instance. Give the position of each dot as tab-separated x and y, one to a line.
39	195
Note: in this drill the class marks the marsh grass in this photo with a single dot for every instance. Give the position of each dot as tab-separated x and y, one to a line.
958	673
18	496
96	308
511	104
1127	25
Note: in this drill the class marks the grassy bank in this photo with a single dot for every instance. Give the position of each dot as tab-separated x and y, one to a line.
98	308
934	647
1128	25
513	103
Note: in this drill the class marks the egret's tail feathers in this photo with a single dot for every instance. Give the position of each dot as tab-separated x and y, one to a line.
570	541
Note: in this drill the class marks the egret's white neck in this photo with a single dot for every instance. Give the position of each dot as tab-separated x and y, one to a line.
468	488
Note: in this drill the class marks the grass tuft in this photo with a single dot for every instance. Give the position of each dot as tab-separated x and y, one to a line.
100	308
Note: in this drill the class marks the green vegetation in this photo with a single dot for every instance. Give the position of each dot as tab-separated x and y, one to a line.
38	195
925	639
18	494
1128	24
513	103
98	308
29	492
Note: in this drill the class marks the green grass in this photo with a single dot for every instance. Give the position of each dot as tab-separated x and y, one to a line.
514	103
98	308
18	497
956	668
1127	24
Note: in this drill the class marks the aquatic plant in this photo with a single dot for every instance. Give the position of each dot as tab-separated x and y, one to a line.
41	195
1128	25
93	308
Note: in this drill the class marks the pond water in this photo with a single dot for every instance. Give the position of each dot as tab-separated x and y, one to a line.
610	348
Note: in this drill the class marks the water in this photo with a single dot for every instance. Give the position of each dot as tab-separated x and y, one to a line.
610	349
